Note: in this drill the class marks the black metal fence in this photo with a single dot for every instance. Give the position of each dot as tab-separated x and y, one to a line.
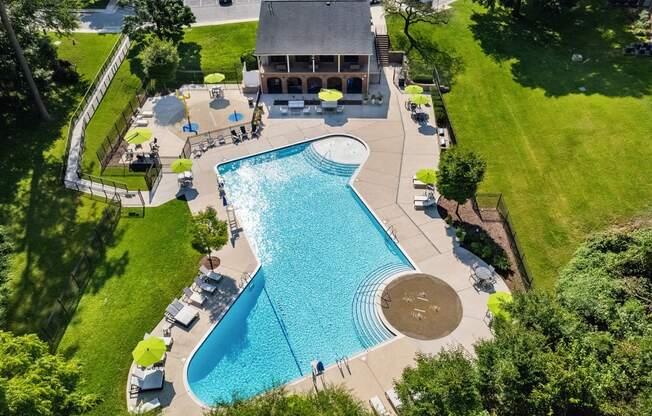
54	326
111	144
492	207
211	138
153	174
439	107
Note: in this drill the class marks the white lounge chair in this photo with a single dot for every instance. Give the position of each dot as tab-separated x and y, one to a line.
202	285
210	274
145	380
147	113
393	399
183	314
141	122
417	183
423	203
378	406
148	406
168	340
193	297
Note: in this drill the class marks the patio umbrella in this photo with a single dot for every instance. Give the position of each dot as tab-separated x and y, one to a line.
419	99
214	78
330	95
427	176
138	135
414	89
496	303
149	351
181	165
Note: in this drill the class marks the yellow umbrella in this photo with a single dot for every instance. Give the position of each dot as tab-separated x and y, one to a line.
214	78
330	95
419	99
149	351
138	135
181	165
497	301
414	89
427	176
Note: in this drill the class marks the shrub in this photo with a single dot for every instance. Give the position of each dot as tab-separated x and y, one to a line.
249	58
480	243
6	250
160	61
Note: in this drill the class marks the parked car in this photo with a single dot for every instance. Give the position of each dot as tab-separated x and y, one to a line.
226	2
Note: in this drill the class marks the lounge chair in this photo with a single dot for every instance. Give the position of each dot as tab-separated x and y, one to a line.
148	406
141	122
243	133
423	202
306	110
147	113
255	132
210	142
417	183
339	109
180	313
146	380
319	110
203	285
168	340
192	297
378	406
235	136
210	274
393	399
221	140
284	111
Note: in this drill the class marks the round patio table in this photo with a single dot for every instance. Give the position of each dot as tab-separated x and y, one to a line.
484	273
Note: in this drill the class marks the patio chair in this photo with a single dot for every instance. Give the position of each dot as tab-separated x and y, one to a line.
210	274
393	399
307	110
193	297
284	111
210	142
148	406
221	140
204	147
319	110
179	313
243	133
147	380
204	286
378	406
340	109
420	203
255	132
167	339
235	136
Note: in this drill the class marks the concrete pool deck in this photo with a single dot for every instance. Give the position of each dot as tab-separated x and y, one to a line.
398	147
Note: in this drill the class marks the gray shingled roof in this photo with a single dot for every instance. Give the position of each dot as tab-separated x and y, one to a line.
313	27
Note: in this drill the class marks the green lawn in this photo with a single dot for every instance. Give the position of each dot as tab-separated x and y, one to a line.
127	296
49	223
569	163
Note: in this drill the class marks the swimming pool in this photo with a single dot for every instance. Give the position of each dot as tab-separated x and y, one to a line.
321	252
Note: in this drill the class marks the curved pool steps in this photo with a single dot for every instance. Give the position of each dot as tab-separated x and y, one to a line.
326	165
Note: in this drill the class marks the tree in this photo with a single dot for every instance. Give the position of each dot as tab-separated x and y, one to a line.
27	58
160	61
415	11
460	172
444	384
333	401
35	382
164	19
209	233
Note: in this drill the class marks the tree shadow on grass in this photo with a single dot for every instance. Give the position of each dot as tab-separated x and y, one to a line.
542	48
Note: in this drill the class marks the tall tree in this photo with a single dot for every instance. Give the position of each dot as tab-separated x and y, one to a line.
27	59
460	173
415	11
160	61
209	232
164	19
34	382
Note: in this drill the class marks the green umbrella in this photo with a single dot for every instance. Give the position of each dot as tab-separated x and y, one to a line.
138	135
414	89
496	303
215	78
149	351
427	176
419	99
330	95
181	165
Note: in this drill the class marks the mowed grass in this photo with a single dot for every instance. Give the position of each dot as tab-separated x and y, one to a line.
147	265
569	163
48	223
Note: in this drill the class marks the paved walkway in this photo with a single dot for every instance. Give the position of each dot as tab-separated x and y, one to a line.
398	147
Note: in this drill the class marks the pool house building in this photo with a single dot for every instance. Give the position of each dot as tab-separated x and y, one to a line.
305	45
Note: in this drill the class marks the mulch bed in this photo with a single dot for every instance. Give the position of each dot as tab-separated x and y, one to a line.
422	306
205	261
494	226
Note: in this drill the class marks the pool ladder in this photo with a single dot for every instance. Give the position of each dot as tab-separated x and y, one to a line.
392	233
342	363
245	277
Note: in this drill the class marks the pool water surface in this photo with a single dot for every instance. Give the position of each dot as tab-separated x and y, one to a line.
317	244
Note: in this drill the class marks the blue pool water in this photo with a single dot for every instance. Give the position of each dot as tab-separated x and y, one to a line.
319	248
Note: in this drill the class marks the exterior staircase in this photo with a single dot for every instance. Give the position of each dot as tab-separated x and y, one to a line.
382	49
